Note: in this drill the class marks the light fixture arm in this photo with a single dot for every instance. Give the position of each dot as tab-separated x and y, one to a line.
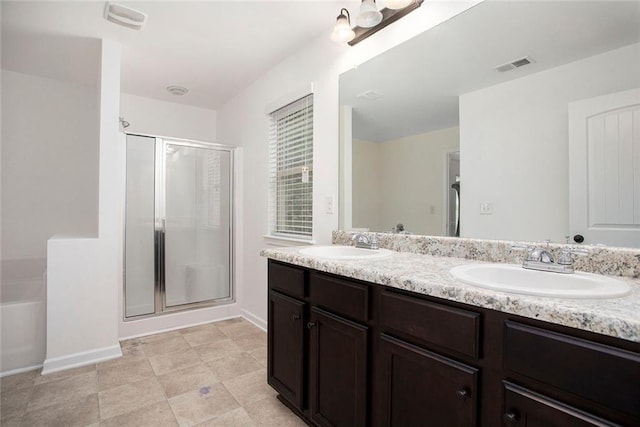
344	9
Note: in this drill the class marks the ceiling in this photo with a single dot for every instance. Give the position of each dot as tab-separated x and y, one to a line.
213	48
421	79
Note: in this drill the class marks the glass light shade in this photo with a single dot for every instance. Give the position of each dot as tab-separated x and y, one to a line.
342	32
397	4
369	15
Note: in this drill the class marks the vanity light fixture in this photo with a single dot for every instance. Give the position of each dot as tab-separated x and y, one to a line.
369	15
342	32
397	4
370	20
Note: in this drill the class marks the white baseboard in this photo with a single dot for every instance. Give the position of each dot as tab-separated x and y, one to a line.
260	323
84	358
19	370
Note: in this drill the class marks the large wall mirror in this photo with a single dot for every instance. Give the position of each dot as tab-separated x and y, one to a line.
475	127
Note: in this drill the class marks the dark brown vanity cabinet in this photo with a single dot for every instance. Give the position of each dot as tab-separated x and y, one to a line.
317	349
347	353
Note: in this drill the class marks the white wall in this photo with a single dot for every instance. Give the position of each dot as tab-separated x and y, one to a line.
242	122
153	117
84	274
49	162
514	146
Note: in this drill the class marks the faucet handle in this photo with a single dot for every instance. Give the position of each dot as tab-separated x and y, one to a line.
522	246
566	258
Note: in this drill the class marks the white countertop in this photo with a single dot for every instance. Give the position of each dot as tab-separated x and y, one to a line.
429	275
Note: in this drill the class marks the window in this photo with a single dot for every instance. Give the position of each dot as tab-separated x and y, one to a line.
291	169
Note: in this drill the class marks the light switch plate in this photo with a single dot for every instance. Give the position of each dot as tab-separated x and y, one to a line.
486	208
329	204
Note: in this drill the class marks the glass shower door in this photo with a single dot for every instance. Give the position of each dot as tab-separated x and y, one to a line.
197	224
178	225
140	234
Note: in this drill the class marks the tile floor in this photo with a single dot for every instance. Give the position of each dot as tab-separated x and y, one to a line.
208	375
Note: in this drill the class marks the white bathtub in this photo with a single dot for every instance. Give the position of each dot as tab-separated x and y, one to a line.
22	318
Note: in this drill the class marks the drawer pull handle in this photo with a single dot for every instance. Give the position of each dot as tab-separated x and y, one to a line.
463	394
510	417
295	317
311	325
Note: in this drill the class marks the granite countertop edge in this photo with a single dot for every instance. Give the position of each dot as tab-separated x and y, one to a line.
429	275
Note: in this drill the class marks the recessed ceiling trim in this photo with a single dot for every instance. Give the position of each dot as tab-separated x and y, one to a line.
177	90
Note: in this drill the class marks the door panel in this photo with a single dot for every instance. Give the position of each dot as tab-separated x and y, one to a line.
286	347
604	169
337	371
419	385
197	227
140	277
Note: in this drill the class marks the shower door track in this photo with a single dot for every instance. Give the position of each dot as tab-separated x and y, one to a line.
160	305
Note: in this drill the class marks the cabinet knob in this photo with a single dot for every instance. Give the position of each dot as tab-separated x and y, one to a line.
311	325
510	417
295	317
463	393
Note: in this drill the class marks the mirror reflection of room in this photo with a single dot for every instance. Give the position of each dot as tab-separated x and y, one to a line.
491	87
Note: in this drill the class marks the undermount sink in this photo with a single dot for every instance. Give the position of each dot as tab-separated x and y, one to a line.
345	252
514	278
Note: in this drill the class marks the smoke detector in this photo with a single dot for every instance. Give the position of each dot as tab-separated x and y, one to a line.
177	90
514	64
124	15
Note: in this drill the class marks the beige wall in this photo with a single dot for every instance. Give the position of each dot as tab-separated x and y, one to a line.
402	181
366	178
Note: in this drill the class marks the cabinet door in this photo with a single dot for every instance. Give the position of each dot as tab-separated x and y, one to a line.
419	387
286	347
525	408
337	370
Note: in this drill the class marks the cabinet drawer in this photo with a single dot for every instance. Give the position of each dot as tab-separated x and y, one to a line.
599	373
288	280
427	322
344	297
526	408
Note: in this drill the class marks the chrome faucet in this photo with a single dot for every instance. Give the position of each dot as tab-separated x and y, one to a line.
363	241
538	258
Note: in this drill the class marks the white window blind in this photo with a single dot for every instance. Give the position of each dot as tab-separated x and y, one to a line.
291	169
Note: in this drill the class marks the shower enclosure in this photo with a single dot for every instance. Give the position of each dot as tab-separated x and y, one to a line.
178	225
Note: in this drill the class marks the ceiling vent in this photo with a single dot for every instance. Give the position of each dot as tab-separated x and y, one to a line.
370	95
514	64
125	16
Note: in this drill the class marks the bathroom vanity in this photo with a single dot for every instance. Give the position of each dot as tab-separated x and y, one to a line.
364	343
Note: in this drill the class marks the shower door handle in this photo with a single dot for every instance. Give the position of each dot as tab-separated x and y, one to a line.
160	230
